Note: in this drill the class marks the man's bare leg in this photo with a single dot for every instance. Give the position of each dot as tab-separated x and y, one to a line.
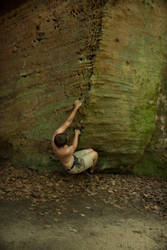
94	154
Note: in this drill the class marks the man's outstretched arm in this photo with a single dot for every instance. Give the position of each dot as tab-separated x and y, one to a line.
67	123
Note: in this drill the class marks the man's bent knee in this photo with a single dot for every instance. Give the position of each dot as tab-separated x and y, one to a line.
89	150
94	154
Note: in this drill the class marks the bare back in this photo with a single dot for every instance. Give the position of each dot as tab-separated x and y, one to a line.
65	155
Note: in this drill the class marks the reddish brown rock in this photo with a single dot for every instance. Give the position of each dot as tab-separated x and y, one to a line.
110	53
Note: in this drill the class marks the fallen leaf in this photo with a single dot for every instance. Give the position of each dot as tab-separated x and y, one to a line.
56	220
82	215
73	230
74	210
31	208
156	208
138	232
47	226
110	191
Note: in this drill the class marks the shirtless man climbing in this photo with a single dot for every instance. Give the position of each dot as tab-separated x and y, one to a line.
74	162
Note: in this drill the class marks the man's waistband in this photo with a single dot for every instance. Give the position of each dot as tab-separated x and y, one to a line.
74	163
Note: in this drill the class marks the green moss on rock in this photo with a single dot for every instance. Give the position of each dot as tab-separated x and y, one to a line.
151	165
111	55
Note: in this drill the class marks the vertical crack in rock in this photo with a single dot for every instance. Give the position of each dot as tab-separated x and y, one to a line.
48	48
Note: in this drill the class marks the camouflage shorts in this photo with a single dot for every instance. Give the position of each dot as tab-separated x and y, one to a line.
82	161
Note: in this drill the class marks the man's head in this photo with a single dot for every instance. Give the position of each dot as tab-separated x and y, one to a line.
60	140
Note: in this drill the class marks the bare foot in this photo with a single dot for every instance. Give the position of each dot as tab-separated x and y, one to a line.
92	169
95	169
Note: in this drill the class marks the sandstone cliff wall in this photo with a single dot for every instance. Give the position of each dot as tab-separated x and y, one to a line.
112	54
128	85
46	52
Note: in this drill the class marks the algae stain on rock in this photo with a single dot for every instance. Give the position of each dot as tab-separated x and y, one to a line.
125	84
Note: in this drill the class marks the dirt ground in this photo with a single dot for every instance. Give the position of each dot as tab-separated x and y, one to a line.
93	225
84	212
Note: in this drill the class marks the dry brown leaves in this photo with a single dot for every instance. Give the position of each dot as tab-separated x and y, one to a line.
119	191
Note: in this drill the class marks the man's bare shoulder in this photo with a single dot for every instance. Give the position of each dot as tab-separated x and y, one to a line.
68	149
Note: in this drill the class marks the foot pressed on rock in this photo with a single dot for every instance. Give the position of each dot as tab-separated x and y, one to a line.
97	168
94	169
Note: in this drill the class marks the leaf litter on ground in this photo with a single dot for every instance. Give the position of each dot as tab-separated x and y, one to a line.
120	191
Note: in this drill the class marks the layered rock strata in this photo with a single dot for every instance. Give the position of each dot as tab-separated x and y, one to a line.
111	54
127	83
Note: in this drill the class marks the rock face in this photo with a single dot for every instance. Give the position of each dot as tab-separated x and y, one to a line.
110	53
127	77
46	53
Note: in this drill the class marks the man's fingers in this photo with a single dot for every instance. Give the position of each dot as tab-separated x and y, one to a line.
78	103
77	131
